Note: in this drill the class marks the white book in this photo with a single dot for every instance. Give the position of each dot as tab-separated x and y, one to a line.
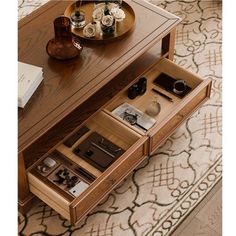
29	78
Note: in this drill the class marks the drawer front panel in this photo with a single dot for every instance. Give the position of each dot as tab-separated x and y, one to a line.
50	202
49	196
110	179
163	131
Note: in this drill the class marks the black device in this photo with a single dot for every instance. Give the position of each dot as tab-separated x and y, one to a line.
167	82
63	177
98	151
138	88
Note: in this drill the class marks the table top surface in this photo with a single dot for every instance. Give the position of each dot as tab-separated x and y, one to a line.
68	84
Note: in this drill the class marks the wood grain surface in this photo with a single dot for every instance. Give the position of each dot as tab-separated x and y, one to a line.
68	84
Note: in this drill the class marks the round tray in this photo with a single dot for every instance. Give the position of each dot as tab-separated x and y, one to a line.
122	28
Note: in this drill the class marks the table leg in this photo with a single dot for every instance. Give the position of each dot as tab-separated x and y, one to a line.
24	196
168	44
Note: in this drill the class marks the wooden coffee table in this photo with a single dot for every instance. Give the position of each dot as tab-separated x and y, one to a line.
74	90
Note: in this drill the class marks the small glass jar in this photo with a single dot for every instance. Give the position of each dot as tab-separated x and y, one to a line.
78	16
78	19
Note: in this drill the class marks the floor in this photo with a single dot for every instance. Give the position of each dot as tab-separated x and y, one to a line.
206	218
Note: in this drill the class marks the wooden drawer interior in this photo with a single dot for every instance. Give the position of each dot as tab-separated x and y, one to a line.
168	108
109	128
58	196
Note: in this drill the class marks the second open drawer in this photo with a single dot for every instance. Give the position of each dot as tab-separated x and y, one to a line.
93	182
172	113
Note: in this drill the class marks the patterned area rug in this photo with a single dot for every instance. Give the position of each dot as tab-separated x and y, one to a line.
162	191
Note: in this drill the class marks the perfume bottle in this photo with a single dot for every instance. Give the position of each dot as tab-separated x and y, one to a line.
78	16
63	46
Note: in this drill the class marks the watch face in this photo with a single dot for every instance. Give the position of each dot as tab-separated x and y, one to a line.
131	118
179	86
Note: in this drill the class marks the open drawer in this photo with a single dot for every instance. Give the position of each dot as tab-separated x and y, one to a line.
103	150
172	113
71	182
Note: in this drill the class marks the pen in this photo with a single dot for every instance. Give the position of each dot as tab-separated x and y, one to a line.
102	149
162	94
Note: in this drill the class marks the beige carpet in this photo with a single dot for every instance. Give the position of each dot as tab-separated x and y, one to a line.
162	191
206	218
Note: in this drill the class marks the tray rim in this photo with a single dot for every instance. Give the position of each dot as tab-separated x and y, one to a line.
106	38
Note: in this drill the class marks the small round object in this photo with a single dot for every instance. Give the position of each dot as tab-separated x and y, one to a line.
89	30
77	150
179	86
130	118
153	109
44	169
89	152
39	168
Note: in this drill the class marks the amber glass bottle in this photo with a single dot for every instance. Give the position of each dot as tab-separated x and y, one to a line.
63	46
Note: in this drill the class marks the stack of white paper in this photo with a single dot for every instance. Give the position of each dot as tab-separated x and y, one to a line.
143	122
29	78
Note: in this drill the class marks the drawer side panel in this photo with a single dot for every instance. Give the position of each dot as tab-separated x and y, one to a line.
50	202
49	196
